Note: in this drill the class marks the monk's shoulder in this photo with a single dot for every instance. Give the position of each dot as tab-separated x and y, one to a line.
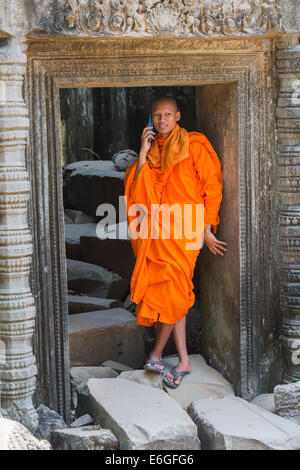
198	138
198	142
202	150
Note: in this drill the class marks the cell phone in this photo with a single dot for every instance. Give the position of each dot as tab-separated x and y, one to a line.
150	124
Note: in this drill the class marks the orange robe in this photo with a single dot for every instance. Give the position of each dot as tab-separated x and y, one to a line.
161	283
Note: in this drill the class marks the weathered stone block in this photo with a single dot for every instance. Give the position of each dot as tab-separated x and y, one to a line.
90	183
117	366
14	436
232	423
95	280
141	417
287	401
152	379
201	373
85	438
81	375
107	334
82	421
113	254
78	217
49	420
266	401
85	303
73	232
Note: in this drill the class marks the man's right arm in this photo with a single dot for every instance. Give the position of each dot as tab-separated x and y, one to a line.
145	147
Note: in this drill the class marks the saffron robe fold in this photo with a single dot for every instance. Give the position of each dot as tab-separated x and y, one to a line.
161	284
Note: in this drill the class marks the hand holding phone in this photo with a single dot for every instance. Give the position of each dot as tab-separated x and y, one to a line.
150	124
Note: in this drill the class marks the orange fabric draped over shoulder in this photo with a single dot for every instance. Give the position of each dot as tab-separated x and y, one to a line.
161	284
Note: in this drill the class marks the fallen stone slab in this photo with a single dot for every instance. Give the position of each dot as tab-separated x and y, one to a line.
81	304
95	281
79	217
201	373
15	436
231	423
115	255
85	438
266	401
73	232
152	379
83	404
287	401
141	417
48	421
80	375
95	337
187	393
87	184
82	421
117	366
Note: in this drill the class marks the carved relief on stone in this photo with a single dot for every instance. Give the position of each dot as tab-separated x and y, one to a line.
152	17
288	171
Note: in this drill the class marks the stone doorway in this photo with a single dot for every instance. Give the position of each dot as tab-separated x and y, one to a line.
95	124
234	85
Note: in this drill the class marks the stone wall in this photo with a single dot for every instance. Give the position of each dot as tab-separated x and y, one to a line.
205	22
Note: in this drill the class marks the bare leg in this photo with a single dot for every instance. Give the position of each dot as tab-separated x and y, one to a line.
180	341
163	333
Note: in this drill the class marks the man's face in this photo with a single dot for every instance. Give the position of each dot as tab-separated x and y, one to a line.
165	117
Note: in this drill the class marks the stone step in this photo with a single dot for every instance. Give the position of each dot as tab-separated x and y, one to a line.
95	281
90	183
141	417
113	254
231	423
103	335
201	372
202	382
73	232
81	304
73	216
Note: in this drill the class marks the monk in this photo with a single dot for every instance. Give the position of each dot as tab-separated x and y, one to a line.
174	167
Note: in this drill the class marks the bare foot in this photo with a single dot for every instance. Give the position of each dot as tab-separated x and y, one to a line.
182	366
155	357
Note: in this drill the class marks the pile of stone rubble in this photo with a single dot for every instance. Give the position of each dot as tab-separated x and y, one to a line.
118	407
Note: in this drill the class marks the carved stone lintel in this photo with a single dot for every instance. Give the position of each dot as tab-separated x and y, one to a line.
152	17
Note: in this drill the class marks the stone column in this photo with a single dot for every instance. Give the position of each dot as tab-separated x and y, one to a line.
17	311
288	158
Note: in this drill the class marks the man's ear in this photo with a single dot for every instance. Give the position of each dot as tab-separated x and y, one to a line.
178	116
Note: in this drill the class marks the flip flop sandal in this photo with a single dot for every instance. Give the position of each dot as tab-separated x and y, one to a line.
176	375
152	367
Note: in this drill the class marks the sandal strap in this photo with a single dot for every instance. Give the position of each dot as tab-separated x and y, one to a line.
177	374
155	362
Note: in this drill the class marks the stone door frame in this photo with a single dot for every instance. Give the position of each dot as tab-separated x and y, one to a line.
62	61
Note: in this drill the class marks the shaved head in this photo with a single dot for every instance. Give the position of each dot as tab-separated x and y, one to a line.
165	100
165	114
